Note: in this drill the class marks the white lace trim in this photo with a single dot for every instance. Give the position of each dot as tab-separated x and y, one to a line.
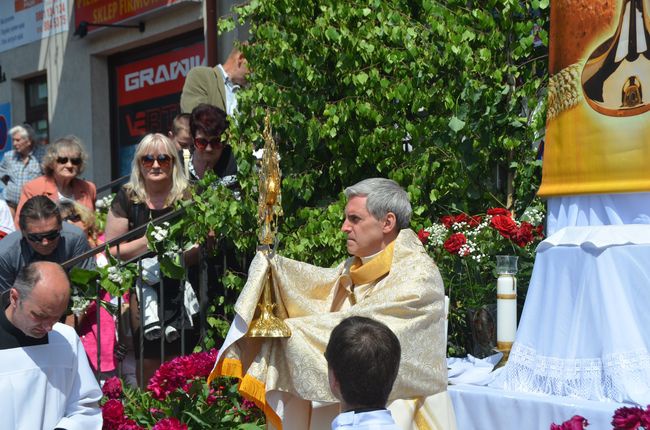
622	377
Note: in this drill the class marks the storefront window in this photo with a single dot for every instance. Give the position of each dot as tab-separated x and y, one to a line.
36	106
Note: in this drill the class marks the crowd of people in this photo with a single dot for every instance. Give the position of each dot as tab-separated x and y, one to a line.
47	217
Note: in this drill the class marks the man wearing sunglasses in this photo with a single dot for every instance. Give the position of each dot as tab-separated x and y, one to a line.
43	236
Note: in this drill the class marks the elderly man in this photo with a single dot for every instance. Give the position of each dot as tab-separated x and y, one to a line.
45	379
21	164
42	237
389	278
215	85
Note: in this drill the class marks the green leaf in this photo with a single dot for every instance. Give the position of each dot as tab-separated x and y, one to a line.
456	124
362	78
80	276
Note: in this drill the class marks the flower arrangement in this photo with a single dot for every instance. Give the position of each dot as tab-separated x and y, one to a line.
178	397
625	418
465	246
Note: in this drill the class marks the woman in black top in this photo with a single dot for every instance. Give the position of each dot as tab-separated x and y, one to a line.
156	184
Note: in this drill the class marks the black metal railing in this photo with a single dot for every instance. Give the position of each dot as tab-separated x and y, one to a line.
202	294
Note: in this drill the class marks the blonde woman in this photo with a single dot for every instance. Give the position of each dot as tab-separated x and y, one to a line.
156	184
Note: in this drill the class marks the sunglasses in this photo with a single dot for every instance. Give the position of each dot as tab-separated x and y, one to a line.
164	161
64	160
40	237
202	143
72	218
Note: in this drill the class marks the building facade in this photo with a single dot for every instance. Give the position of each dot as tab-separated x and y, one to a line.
64	71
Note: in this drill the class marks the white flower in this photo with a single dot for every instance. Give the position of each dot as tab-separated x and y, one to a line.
115	275
438	232
79	304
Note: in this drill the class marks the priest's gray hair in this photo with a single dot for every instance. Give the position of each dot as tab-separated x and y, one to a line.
27	279
384	196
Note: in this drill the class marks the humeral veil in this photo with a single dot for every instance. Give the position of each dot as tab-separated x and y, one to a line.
287	378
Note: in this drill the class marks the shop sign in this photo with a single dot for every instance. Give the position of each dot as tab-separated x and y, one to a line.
114	11
26	21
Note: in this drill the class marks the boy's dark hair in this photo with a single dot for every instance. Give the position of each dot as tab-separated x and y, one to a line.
364	355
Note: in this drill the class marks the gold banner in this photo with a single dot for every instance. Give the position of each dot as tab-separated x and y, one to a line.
598	128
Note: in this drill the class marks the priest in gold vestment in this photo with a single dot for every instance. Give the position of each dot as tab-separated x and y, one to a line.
389	278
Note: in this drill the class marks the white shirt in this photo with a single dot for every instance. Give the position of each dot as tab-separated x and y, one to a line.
231	88
6	220
374	420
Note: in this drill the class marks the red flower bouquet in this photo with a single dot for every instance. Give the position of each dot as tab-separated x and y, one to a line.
178	397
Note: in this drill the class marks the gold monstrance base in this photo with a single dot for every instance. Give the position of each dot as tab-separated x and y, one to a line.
267	324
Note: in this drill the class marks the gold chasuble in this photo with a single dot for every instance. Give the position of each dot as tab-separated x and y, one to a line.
287	378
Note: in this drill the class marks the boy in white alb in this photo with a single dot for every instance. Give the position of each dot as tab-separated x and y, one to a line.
363	358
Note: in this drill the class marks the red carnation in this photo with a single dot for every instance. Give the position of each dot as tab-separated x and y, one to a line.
113	414
628	418
112	388
176	373
455	242
447	220
130	425
499	211
504	225
575	423
523	235
423	235
169	424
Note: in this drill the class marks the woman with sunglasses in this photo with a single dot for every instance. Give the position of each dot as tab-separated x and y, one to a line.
157	182
208	124
64	161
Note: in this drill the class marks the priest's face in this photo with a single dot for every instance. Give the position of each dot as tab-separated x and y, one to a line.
36	314
366	234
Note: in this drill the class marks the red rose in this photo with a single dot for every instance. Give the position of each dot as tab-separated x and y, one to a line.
169	424
628	418
539	230
461	218
523	235
113	414
499	211
504	225
423	235
112	388
474	221
455	242
447	220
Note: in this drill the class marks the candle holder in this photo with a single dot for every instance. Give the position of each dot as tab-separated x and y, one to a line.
506	304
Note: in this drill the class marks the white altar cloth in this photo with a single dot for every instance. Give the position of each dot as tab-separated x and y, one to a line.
597	209
485	408
585	327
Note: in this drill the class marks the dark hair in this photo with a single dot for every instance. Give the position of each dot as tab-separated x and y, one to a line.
38	208
27	279
364	355
208	119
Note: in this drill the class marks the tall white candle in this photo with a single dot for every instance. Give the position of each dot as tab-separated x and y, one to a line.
506	308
